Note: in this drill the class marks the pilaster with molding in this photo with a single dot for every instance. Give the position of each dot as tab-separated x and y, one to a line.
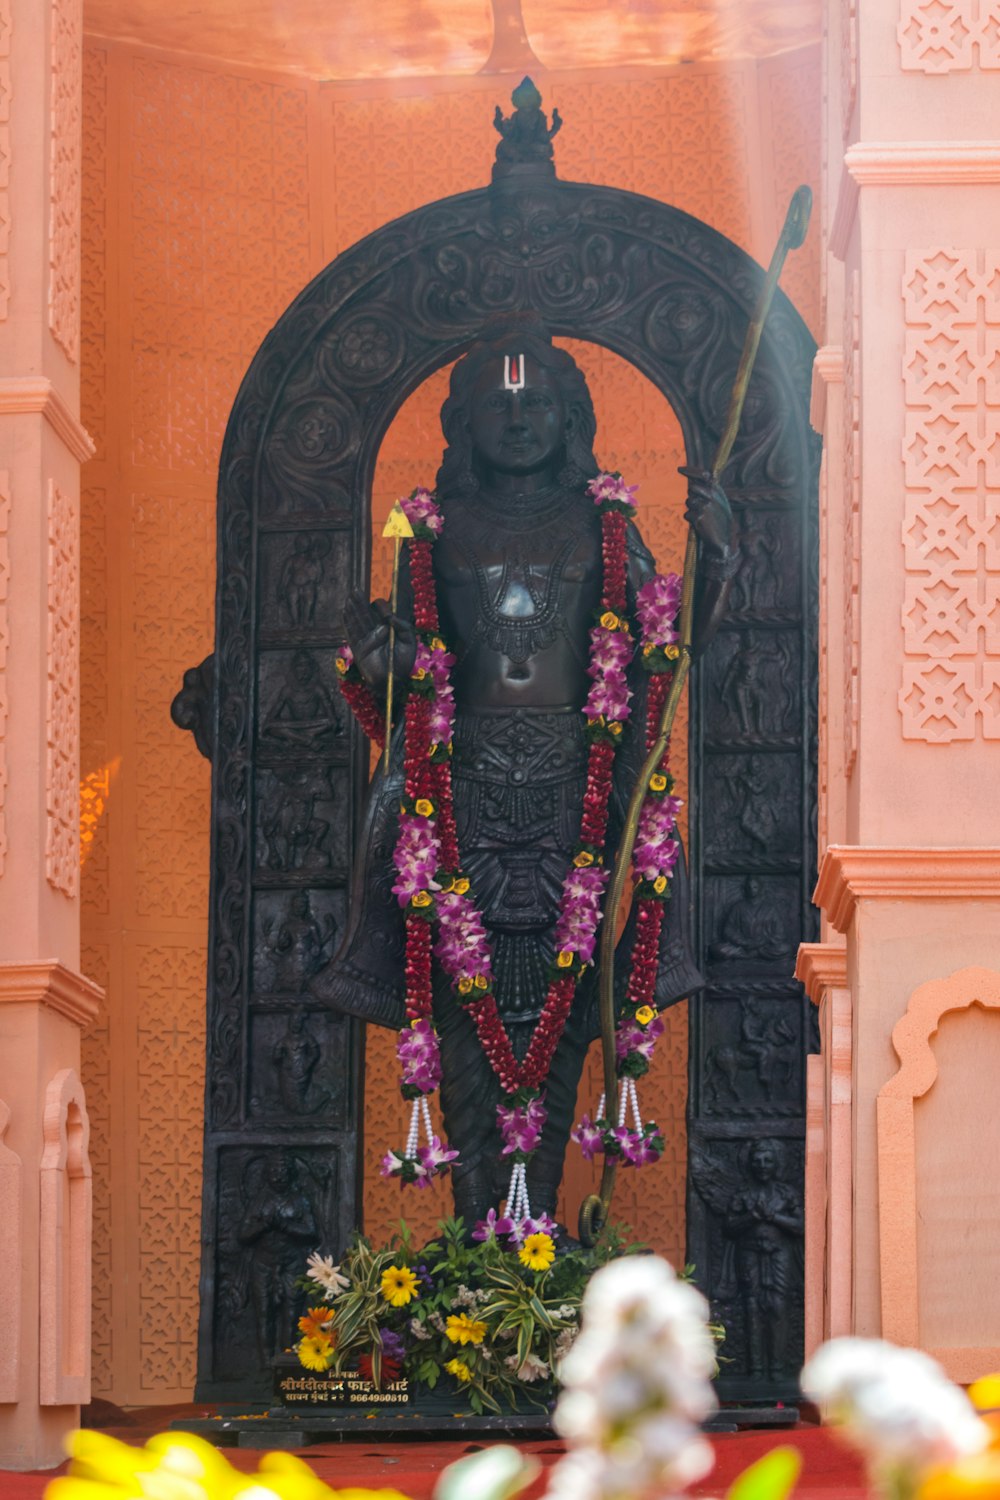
44	1001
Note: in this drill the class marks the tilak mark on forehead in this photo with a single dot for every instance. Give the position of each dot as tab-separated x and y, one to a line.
513	372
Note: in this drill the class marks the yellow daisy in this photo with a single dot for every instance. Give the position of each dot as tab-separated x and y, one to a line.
462	1329
459	1369
315	1352
399	1285
537	1253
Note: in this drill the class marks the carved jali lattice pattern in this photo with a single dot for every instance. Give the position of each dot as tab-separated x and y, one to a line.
951	463
5	96
171	1072
4	646
852	517
62	849
221	240
64	176
948	36
94	248
206	179
95	1067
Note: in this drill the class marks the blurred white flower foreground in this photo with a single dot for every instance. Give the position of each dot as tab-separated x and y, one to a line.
896	1405
636	1386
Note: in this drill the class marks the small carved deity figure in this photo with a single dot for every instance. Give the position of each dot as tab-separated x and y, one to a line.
765	1224
764	1049
295	1055
300	946
278	1223
757	585
517	572
294	837
751	927
526	136
301	576
304	714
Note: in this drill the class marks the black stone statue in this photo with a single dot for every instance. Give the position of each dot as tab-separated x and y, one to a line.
518	573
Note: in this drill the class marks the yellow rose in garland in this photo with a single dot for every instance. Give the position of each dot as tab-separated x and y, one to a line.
399	1285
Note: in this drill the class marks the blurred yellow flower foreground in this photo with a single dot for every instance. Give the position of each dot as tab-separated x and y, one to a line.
182	1466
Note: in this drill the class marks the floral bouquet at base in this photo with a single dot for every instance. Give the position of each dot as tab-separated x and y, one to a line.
489	1321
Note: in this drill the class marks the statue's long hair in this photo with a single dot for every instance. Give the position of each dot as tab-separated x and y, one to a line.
515	333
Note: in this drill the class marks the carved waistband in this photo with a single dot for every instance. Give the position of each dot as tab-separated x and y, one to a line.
519	747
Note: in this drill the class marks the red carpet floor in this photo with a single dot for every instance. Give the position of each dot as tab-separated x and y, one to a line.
829	1472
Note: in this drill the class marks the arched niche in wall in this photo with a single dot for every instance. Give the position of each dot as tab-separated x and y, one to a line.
65	1207
939	1187
671	297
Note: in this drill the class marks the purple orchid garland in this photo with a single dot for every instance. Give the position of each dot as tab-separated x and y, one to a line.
654	859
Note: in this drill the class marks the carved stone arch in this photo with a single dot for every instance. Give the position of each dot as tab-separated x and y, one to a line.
671	296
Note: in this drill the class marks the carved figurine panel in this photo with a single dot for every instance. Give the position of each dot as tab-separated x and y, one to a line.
303	581
300	709
749	922
303	813
746	1211
753	686
274	1205
752	1055
295	933
754	817
295	1067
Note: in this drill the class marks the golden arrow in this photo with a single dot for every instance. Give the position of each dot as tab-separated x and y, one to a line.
398	527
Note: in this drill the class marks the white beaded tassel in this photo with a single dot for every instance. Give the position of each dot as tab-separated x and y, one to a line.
413	1135
633	1094
518	1207
420	1115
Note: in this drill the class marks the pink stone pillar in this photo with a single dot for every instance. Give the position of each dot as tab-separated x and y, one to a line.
822	968
907	396
44	1002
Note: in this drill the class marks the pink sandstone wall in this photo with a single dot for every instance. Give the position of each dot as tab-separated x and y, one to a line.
210	198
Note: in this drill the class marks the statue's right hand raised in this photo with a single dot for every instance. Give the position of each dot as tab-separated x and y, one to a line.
367	629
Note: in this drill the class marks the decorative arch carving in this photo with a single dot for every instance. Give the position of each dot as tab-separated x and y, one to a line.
897	1160
671	296
64	1242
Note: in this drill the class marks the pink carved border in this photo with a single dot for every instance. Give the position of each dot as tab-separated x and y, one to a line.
4	644
65	1210
11	1252
897	1167
62	718
5	95
65	148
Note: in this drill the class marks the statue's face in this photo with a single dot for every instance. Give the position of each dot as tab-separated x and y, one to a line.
763	1163
517	432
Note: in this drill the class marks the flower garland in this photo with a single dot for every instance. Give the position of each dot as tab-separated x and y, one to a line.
654	859
434	892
